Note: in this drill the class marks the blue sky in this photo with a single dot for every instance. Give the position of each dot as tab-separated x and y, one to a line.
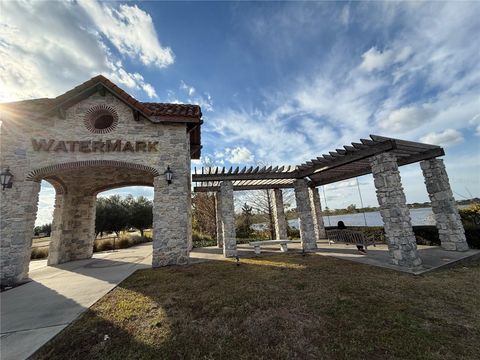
279	83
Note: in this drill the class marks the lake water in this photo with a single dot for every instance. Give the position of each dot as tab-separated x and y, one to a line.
422	216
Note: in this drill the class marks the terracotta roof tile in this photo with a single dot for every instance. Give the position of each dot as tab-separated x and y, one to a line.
166	109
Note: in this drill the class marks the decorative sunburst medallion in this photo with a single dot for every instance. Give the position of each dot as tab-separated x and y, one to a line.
101	119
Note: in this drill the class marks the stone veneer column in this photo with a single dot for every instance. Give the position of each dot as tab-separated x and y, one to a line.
58	250
218	220
18	212
304	211
393	208
316	205
73	227
170	222
447	218
279	219
228	219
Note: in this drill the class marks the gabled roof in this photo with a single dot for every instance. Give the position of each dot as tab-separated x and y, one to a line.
155	112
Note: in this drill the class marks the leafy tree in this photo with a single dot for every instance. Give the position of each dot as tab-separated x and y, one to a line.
140	212
111	215
352	208
101	216
43	229
245	221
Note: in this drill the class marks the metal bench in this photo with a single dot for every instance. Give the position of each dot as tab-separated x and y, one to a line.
349	237
258	244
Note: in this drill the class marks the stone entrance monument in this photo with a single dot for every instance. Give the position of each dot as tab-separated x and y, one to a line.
94	138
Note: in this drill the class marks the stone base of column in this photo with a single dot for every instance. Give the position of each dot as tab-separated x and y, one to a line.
232	252
160	257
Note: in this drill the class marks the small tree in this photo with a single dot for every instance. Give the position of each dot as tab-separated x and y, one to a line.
43	229
245	221
140	212
101	216
112	215
203	214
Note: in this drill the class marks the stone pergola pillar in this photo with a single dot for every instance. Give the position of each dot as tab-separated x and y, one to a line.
316	205
218	220
73	227
304	211
393	208
228	219
280	222
447	218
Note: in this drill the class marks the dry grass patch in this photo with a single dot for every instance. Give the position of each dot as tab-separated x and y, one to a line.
281	307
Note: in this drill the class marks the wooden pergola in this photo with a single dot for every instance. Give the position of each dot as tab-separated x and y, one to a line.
341	164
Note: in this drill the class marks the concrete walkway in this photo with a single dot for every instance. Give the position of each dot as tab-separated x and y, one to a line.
34	313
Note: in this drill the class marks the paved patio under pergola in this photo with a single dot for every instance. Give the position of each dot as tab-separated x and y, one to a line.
433	257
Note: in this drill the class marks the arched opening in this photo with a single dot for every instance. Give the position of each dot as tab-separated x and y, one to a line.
43	222
123	218
76	186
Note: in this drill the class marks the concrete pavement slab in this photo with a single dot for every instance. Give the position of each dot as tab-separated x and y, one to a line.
35	312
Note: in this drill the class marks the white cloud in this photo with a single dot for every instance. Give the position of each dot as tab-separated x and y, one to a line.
375	60
130	30
345	15
406	118
239	155
189	89
444	138
475	121
205	101
48	47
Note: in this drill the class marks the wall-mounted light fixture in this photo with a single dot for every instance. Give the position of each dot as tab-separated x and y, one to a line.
168	175
6	179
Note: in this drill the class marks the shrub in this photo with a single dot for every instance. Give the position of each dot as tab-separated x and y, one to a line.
293	233
471	215
39	253
201	240
105	245
472	233
123	243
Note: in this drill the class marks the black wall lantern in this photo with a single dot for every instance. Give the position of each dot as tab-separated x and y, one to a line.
6	179
168	175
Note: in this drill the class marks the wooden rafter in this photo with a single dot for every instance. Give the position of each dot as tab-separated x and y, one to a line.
341	164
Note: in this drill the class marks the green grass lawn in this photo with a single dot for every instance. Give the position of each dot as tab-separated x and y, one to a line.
281	307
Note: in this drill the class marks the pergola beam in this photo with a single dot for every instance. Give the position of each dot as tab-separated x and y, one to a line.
338	165
349	158
244	187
